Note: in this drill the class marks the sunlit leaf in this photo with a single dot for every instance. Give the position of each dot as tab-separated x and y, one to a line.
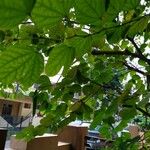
90	11
20	64
60	56
55	10
82	46
14	12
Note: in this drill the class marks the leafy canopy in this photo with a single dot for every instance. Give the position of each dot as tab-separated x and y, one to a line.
101	48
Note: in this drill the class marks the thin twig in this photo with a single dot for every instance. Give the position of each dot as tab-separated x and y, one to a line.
126	52
134	69
141	56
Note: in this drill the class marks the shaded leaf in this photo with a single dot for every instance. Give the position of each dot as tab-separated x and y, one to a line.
128	113
44	83
75	106
116	35
2	36
98	117
75	88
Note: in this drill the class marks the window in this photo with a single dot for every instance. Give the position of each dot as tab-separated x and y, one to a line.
27	105
7	109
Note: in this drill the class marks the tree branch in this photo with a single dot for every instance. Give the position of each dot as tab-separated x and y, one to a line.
126	52
143	111
113	53
134	69
135	45
107	29
141	56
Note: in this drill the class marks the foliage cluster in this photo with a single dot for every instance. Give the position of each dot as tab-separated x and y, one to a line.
102	49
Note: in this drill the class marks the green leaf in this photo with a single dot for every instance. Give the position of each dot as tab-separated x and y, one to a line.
116	6
116	35
121	125
67	120
39	130
87	111
57	32
26	133
101	73
90	11
124	44
144	100
66	97
42	97
98	117
138	26
147	136
28	33
60	56
20	64
90	88
131	4
106	76
98	40
87	89
148	28
92	103
47	120
61	109
2	36
81	45
128	113
123	5
112	109
49	13
75	88
13	12
44	83
105	131
76	106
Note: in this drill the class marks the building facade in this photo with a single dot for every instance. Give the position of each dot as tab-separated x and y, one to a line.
10	107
